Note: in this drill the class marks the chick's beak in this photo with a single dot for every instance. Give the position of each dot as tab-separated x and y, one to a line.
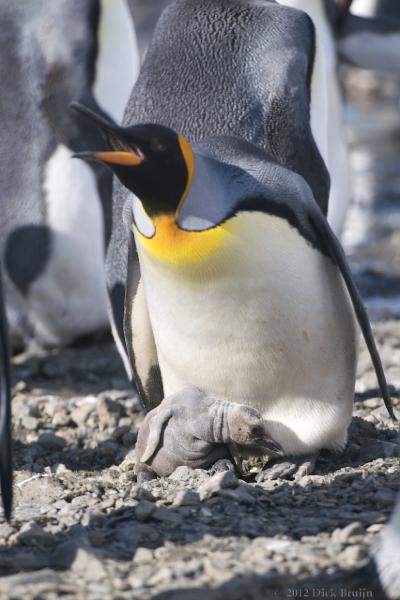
270	446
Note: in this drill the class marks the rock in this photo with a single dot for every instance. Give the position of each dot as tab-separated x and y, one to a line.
343	536
144	510
143	555
141	493
240	494
352	556
51	442
88	564
32	534
186	498
109	411
220	481
372	450
166	515
49	405
82	412
40	584
385	497
129	439
30	423
182	474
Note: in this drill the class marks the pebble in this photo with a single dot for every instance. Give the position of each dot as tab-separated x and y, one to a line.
144	510
343	536
216	483
186	498
88	564
109	411
50	441
32	534
143	555
82	412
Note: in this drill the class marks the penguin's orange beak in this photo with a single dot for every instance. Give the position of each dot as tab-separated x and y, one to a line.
127	159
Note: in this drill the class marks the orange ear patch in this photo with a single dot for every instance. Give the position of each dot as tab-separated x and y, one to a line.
128	159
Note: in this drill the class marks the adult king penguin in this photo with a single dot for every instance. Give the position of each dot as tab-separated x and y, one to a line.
55	213
241	289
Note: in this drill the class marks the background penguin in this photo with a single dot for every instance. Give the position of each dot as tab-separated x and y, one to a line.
5	412
241	291
326	115
369	36
56	212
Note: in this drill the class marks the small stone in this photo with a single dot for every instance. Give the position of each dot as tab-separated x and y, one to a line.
375	528
119	432
129	439
218	482
141	493
342	536
109	411
181	474
82	412
186	498
5	531
30	423
87	563
240	494
391	449
32	534
352	556
136	582
372	403
167	515
143	555
144	510
385	497
61	470
50	441
128	464
61	418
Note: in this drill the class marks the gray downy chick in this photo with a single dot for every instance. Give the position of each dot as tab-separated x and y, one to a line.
192	429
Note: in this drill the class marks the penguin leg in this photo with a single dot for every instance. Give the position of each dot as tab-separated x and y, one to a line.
294	467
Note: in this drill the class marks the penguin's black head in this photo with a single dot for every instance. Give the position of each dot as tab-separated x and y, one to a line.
152	161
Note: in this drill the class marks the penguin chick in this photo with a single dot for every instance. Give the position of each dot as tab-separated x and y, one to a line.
192	429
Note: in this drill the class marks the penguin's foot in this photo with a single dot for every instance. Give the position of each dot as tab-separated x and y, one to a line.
294	467
221	466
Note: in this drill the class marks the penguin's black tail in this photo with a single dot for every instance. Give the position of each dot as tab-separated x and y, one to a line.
6	470
335	251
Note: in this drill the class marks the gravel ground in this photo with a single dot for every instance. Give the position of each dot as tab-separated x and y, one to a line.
83	528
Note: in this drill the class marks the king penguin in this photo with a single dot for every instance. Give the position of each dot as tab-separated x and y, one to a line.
241	288
327	120
56	213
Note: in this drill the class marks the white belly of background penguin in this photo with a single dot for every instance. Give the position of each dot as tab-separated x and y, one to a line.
56	214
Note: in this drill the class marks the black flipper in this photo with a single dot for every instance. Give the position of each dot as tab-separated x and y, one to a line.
6	470
334	250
